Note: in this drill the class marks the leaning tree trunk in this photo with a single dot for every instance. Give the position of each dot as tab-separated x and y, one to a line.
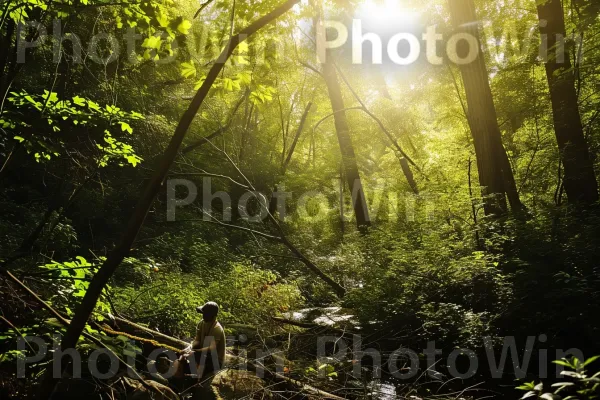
495	173
359	200
579	180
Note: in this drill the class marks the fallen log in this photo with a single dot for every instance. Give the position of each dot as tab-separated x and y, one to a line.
127	326
231	361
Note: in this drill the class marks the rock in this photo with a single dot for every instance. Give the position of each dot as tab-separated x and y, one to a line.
235	384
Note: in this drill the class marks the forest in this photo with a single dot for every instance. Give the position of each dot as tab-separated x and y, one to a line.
386	199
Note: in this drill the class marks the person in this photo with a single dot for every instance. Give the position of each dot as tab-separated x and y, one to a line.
207	352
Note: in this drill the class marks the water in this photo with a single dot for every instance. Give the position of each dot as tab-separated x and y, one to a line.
326	316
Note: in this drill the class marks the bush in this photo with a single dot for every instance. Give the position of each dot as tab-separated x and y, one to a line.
245	294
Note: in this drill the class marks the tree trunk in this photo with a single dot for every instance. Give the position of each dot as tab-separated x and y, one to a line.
495	173
5	57
288	158
409	175
579	179
359	200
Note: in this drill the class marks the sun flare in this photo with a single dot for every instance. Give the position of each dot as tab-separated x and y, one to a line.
385	14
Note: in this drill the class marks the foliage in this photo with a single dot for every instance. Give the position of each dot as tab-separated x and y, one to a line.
78	112
167	300
252	295
581	386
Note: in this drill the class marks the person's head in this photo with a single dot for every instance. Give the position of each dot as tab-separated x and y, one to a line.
209	311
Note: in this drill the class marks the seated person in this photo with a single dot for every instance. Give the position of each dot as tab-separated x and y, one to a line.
207	353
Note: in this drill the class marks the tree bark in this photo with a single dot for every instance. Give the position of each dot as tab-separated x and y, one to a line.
359	200
145	201
579	178
409	175
296	137
288	158
5	58
495	173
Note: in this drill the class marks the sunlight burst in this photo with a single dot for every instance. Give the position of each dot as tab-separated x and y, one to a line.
385	14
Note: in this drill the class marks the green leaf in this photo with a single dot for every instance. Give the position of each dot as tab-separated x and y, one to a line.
244	77
228	84
93	106
188	70
125	127
529	394
527	386
241	60
184	27
590	360
82	261
129	353
563	363
152	42
80	101
50	97
199	83
550	396
133	160
162	19
572	374
561	384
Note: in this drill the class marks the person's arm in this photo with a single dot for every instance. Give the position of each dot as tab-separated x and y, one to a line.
194	345
197	346
211	347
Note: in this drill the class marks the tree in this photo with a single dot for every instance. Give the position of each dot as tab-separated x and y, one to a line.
494	169
579	180
359	200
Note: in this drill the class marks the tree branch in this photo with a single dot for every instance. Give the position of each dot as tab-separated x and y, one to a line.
378	121
214	221
338	289
230	179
